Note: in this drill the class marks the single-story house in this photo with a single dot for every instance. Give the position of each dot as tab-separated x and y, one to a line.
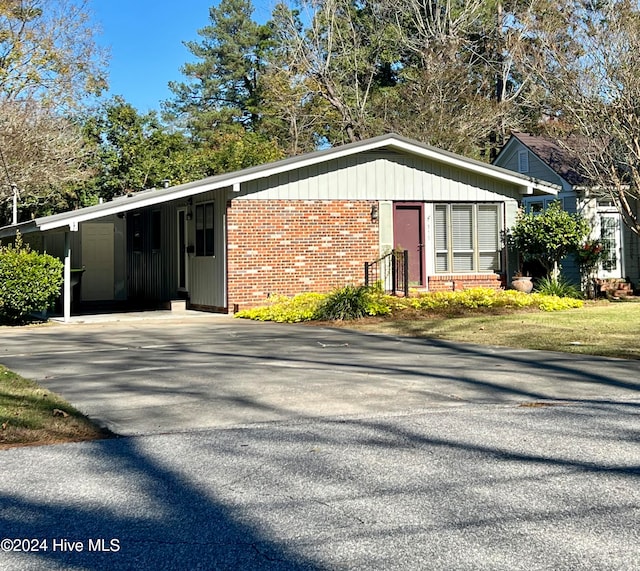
544	158
307	223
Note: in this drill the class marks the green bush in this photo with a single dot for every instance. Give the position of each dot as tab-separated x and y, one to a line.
340	304
559	287
283	309
352	302
29	281
548	236
478	298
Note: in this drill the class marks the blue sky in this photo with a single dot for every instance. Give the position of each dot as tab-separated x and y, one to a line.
145	40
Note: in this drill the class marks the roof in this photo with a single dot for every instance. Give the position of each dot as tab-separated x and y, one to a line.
394	142
564	162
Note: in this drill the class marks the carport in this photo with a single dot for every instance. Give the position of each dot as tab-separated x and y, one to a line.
104	239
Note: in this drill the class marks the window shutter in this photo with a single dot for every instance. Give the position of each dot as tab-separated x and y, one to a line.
487	227
462	226
523	161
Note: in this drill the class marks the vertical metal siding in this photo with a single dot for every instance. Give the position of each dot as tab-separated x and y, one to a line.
380	176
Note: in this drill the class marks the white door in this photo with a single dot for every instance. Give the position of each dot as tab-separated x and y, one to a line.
611	240
97	259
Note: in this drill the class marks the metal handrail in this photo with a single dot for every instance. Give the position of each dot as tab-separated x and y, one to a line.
391	271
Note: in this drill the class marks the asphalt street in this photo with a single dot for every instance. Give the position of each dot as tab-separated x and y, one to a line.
277	447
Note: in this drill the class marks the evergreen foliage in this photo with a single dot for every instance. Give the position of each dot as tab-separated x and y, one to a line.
548	236
29	281
560	288
352	302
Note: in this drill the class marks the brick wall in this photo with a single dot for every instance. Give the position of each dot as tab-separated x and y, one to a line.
456	282
291	246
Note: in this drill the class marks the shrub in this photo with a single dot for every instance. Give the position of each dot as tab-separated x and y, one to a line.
548	236
29	281
283	309
348	302
559	287
353	302
478	298
555	303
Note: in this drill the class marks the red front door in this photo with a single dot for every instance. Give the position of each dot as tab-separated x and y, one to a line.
408	234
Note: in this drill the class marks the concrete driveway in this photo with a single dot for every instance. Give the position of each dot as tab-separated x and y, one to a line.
159	376
379	453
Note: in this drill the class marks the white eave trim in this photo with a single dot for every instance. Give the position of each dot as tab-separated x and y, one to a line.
526	185
425	152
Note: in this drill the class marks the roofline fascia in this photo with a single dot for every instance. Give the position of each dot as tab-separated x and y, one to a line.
122	205
491	171
426	152
23	228
527	185
505	147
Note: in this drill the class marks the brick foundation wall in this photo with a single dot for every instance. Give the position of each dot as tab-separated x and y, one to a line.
457	282
292	246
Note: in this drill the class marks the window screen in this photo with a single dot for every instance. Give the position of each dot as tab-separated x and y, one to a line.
467	237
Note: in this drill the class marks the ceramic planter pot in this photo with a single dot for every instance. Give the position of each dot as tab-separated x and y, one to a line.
522	283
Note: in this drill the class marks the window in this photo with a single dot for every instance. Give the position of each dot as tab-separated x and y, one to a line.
608	239
156	230
204	229
536	207
467	237
523	161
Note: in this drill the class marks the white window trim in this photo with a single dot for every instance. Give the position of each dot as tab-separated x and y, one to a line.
476	250
523	161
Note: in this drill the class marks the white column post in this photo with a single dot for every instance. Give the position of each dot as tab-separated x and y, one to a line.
15	204
66	295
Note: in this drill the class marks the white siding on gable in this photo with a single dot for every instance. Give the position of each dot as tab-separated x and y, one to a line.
379	176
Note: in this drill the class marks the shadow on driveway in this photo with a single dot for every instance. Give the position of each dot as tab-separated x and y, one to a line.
145	377
473	487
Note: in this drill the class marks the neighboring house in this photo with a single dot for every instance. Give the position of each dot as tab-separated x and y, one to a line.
543	158
307	223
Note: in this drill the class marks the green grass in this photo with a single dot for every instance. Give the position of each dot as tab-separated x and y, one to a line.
30	415
608	329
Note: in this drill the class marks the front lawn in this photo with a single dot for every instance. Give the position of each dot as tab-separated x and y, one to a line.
479	315
30	415
602	328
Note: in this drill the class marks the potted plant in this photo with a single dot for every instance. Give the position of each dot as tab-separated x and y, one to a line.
522	283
